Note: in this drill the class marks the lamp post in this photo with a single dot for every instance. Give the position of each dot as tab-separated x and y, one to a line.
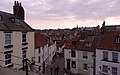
94	62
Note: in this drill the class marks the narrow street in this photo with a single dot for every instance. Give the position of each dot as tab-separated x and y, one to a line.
58	63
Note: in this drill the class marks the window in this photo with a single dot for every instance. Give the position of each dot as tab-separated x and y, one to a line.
24	52
0	18
73	64
57	48
39	59
114	71
87	44
74	43
17	21
39	50
117	39
8	59
115	57
85	66
85	55
105	69
23	37
105	55
73	53
7	38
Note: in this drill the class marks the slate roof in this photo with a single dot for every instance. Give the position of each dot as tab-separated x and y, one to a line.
8	25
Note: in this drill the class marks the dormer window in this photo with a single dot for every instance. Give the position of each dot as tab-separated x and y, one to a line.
74	42
81	40
88	44
117	39
16	20
0	17
23	37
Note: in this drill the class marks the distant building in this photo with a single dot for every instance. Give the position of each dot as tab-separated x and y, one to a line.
16	38
105	28
112	27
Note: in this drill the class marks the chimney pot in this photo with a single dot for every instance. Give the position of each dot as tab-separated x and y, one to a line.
15	3
20	4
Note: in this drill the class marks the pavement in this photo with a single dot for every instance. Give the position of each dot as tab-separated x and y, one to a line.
59	62
12	71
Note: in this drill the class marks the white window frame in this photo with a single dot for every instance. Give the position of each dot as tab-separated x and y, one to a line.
85	66
39	50
73	53
8	58
105	69
114	70
115	56
104	55
8	35
88	44
118	39
24	53
24	38
85	55
73	64
17	20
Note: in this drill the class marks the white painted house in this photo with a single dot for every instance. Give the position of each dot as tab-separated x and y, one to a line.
78	54
60	47
16	38
108	54
45	49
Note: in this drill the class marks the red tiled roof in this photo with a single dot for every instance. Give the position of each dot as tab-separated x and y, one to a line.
89	38
60	43
108	41
40	40
94	40
81	44
69	44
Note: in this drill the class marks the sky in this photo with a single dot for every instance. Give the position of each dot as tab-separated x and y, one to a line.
54	14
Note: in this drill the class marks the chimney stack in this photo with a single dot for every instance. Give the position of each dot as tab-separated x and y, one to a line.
18	10
103	29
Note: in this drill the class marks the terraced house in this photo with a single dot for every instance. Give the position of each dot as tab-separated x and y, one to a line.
45	50
79	52
108	54
16	38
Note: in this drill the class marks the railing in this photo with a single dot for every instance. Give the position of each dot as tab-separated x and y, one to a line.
26	62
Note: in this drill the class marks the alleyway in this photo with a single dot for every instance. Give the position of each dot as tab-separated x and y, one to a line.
58	63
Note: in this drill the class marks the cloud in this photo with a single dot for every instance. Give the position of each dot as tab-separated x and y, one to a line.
56	9
66	10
